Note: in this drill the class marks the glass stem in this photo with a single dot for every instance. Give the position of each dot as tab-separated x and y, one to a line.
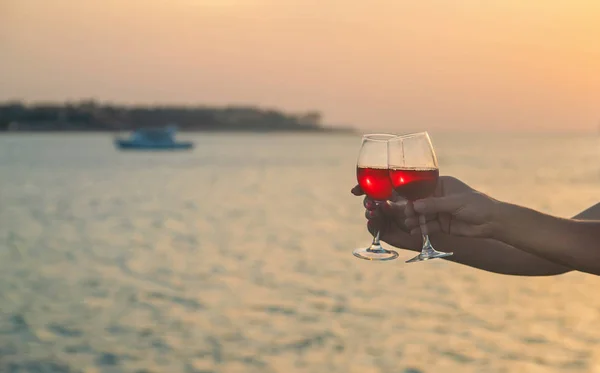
426	243
427	247
377	234
376	239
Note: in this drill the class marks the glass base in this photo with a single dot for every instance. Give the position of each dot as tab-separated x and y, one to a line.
375	252
427	254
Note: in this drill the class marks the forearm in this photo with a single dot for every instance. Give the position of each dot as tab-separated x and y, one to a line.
573	243
591	213
495	256
499	257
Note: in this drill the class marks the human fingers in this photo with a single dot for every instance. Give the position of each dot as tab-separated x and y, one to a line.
374	210
388	209
394	209
402	210
375	225
413	221
435	205
420	225
357	190
409	210
370	204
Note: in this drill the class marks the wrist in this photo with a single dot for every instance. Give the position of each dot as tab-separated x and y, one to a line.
499	220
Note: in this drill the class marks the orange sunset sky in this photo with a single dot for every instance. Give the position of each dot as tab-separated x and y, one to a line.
378	64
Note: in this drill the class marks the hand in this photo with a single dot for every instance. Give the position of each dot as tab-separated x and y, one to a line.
486	254
387	218
469	214
390	217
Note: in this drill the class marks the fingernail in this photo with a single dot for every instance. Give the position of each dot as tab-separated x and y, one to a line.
414	231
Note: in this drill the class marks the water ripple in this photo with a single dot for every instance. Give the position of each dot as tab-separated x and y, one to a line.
237	258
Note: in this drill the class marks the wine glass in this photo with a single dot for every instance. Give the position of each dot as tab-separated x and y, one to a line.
374	179
414	173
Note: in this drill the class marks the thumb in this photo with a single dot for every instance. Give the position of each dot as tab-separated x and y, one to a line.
357	190
435	205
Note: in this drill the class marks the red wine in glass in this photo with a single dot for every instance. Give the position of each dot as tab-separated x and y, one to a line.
375	182
414	183
374	179
414	174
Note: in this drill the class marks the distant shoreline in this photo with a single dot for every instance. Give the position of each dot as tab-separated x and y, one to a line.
91	116
341	130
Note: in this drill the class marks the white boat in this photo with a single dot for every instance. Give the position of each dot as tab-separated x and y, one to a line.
153	139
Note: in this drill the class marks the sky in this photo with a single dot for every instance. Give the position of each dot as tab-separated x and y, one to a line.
380	64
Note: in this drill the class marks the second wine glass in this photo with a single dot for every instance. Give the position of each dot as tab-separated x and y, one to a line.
414	174
373	177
